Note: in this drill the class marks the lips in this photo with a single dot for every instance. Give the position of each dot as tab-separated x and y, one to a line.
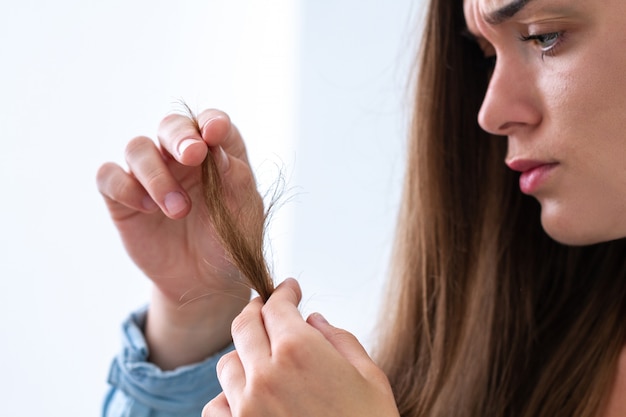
534	173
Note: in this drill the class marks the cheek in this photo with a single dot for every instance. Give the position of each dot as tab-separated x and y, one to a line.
592	84
584	96
585	126
597	116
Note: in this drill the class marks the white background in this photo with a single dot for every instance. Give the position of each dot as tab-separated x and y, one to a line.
317	87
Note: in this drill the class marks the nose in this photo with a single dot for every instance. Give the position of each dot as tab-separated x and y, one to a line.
511	101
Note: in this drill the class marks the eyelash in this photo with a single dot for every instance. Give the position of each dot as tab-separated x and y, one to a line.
538	39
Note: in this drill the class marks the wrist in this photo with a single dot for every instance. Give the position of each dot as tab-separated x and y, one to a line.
180	333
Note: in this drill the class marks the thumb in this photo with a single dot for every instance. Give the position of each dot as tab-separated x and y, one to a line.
344	342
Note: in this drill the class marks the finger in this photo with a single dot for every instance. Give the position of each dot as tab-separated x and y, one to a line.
218	130
280	313
217	407
147	165
249	335
180	137
232	378
344	342
123	194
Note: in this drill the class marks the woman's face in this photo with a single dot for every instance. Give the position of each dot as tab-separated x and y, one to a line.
558	92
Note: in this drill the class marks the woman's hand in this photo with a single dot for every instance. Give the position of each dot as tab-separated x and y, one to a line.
285	366
157	207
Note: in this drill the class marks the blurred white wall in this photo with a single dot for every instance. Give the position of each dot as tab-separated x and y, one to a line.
315	86
354	59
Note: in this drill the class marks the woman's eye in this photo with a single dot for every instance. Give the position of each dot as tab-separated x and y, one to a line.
546	42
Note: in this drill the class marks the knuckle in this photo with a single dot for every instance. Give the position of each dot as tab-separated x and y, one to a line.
171	122
269	313
120	191
239	323
206	410
171	118
211	408
105	172
249	408
224	361
114	183
377	375
205	116
136	146
155	177
292	351
263	385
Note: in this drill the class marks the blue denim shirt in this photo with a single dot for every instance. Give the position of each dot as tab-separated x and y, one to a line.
141	389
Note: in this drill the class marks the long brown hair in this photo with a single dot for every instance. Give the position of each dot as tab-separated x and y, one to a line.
486	315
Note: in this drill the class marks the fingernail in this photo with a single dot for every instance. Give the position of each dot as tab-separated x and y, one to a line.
175	203
185	144
148	203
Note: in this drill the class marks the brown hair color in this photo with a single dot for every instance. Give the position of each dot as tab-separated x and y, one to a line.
243	245
485	314
242	235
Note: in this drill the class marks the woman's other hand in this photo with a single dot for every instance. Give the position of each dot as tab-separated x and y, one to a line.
285	366
158	209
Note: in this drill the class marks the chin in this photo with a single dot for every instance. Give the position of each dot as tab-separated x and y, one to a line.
575	230
569	238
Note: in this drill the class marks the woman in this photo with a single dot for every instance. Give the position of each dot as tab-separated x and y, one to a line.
498	306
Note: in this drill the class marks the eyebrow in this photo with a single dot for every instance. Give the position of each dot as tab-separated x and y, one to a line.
505	13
